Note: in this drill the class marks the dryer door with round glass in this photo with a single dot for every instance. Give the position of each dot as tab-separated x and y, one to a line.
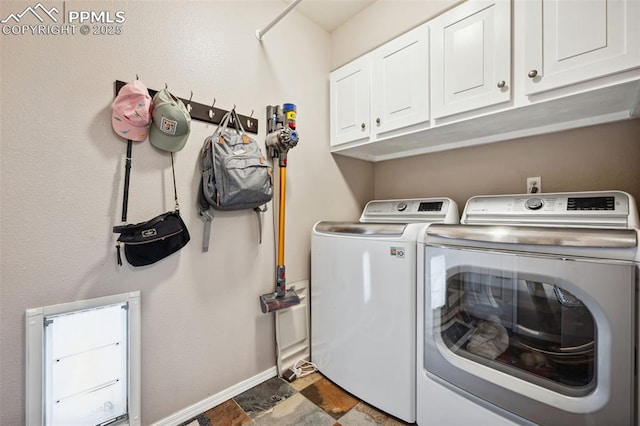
550	338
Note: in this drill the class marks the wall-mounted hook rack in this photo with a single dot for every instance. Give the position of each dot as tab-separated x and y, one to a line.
200	112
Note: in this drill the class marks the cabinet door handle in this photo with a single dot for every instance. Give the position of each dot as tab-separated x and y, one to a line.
362	126
533	73
378	121
501	84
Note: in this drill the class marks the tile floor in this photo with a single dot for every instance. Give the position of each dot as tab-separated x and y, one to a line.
312	400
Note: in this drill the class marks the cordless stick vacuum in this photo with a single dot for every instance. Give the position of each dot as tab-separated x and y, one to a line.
281	137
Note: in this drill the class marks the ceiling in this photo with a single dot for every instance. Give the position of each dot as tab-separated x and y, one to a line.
330	14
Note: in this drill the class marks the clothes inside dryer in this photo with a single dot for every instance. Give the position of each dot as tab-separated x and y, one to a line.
527	327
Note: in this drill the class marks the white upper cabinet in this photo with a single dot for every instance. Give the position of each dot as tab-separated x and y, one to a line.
490	70
471	57
400	85
385	90
574	41
350	101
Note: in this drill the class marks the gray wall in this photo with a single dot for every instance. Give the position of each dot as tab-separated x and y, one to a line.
62	172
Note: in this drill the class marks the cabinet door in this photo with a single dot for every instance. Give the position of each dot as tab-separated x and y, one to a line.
471	57
350	101
400	86
573	41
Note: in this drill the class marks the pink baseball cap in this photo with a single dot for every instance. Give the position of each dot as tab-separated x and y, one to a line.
132	111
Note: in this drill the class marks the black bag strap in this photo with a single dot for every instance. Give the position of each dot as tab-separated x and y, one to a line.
175	190
127	177
133	227
125	195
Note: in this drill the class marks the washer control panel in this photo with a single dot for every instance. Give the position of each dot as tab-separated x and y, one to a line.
591	203
604	209
410	210
534	203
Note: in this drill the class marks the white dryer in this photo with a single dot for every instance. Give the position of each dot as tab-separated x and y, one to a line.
363	300
527	312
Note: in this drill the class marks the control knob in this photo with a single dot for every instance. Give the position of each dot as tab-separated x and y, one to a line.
401	206
534	203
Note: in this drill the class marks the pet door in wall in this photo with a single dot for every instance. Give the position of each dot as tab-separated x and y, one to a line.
83	362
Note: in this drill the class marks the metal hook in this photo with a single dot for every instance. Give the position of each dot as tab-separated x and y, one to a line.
249	122
137	78
211	113
189	103
166	86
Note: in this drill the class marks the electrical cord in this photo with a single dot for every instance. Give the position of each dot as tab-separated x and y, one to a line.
304	368
301	368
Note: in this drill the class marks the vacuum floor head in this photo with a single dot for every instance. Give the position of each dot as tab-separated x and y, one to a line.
271	302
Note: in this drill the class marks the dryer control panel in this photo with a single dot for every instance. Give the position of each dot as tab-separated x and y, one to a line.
410	210
606	209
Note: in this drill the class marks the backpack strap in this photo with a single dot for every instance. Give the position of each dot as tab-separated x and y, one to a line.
204	209
208	217
206	212
237	124
222	128
259	210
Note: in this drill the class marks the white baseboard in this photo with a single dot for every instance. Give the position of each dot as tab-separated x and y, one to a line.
217	399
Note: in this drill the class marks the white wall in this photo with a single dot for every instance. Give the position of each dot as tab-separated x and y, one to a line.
607	159
61	174
379	23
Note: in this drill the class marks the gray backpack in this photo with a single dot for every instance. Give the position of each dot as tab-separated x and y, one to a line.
235	174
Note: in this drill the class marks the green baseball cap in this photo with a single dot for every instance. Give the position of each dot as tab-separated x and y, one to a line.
171	122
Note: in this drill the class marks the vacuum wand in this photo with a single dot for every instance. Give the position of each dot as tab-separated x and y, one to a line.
281	137
280	269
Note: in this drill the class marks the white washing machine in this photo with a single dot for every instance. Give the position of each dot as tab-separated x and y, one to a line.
363	300
527	312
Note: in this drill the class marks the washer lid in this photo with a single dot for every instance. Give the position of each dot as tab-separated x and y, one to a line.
366	229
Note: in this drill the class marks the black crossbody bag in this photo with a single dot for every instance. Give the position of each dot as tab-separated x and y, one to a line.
147	242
